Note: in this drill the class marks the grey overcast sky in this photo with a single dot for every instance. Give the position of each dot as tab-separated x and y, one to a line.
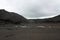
32	8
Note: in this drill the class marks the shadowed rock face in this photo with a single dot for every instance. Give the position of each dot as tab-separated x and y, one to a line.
11	17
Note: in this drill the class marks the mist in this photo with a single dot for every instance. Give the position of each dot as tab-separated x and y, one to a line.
32	8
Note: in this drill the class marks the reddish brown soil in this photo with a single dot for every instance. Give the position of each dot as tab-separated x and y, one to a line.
47	33
30	34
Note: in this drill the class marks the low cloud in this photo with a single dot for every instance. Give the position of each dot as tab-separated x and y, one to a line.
32	8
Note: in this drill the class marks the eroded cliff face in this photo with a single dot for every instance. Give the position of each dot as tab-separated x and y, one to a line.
11	17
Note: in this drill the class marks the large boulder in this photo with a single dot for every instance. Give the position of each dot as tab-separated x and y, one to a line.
11	17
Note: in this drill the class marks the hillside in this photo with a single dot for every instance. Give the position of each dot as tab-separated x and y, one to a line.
11	17
53	19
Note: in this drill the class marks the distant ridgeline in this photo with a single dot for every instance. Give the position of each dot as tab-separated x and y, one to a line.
50	20
11	17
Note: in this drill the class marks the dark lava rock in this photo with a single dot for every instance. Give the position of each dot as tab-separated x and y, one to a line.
53	19
11	17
